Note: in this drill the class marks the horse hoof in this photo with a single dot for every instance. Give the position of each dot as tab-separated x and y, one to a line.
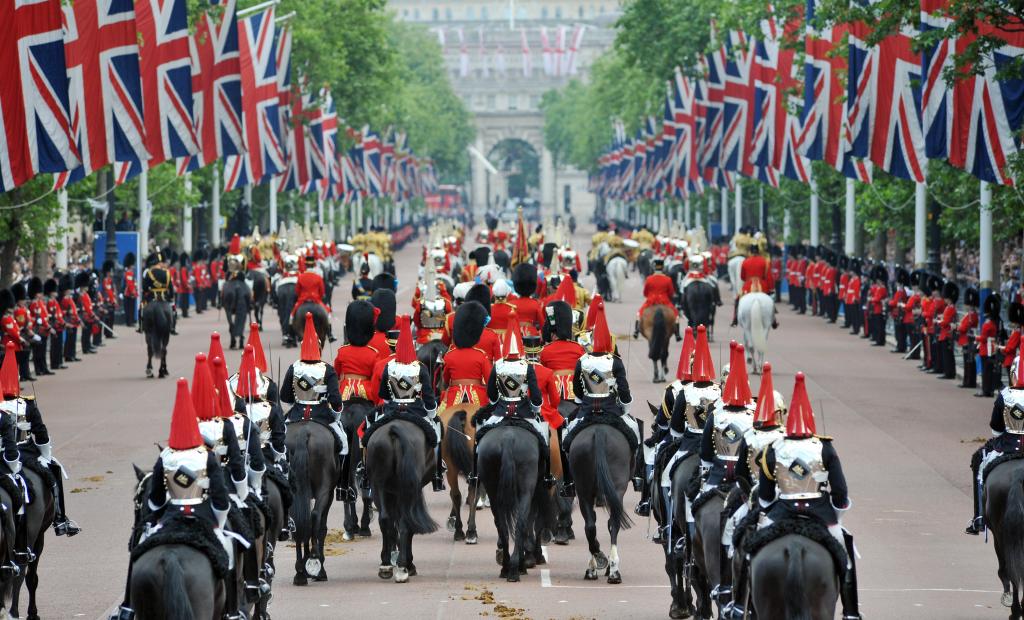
601	560
364	532
299	580
347	536
321	576
1006	599
401	575
678	612
503	574
530	563
412	570
452	523
460	535
561	537
590	575
471	538
385	572
513	578
149	373
497	557
615	578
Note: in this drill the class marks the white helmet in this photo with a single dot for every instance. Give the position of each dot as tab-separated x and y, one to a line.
501	289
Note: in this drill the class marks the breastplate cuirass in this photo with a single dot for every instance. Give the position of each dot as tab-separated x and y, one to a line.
259	413
185	475
213	436
700	401
757	441
432	314
511	378
17	409
1013	410
262	385
308	382
404	381
596	372
799	469
730	427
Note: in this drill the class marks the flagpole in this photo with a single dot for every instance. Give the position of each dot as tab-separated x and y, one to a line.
330	218
305	212
319	208
851	206
272	196
215	207
144	213
686	211
920	208
62	230
725	211
739	206
814	212
186	218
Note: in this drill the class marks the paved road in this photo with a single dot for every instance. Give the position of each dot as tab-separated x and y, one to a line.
905	439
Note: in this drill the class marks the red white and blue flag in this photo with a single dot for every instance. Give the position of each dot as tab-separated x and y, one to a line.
738	120
371	162
35	120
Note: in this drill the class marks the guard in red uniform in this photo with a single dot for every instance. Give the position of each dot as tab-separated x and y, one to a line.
776	261
383	299
987	348
756	273
489	340
23	319
799	292
1015	315
528	308
911	316
89	324
466	365
951	295
355	360
183	285
201	278
966	339
561	352
897	304
938	307
876	305
129	290
109	295
659	290
40	325
502	310
56	324
72	322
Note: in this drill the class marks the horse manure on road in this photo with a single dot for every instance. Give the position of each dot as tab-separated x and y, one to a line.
499	609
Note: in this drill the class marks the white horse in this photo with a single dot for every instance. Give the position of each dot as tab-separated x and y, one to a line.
616	269
734	273
756	312
375	262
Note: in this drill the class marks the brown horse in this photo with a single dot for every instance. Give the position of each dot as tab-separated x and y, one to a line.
657	324
457	453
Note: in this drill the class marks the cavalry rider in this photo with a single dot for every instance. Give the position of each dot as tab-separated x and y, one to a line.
490	342
362	287
769	427
549	391
23	412
600	388
1007	425
309	287
406	388
311	386
659	290
561	351
156	282
129	290
756	273
430	310
466	366
187	486
793	476
528	308
356	358
502	312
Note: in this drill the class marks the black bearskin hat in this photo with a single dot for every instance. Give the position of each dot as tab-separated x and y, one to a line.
385	281
856	266
971	297
524	279
492	222
811	252
480	293
481	255
470	320
548	252
6	300
502	259
108	266
384	300
35	286
50	286
844	262
951	291
129	260
993	304
934	284
66	283
19	292
902	276
359	325
879	272
82	279
1015	313
557	321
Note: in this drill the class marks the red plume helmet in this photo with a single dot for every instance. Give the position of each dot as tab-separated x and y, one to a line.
405	352
703	366
204	398
513	345
800	423
565	291
236	245
764	414
9	373
246	386
184	425
216	350
596	304
310	342
737	387
602	338
683	371
257	345
225	400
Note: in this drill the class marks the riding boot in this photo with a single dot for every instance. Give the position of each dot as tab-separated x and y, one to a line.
568	489
636	329
977	524
639	466
341	490
725	576
735	309
231	608
62	525
439	469
848	589
679	337
330	335
643	508
125	612
22	553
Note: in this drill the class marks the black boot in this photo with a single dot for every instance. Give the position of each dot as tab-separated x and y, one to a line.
62	525
636	329
848	589
734	610
679	337
125	612
342	491
23	554
643	508
735	310
977	524
439	470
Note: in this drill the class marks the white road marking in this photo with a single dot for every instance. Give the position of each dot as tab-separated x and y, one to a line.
967	590
545	578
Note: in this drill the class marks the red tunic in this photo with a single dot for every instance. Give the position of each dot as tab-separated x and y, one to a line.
561	357
530	314
756	274
426	334
11	332
927	312
40	316
309	287
354	366
876	299
989	331
130	289
379	343
658	291
969	322
501	314
23	318
465	373
56	314
549	389
900	296
914	301
946	322
67	303
1010	350
378	370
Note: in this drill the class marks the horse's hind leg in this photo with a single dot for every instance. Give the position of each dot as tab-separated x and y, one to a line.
598	561
455	515
613	554
473	489
1007	598
364	523
351	521
149	359
163	364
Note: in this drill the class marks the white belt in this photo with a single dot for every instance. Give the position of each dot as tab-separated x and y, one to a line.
800	495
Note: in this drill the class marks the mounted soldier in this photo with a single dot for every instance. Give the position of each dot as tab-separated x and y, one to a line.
756	274
467	367
356	358
659	290
529	310
561	351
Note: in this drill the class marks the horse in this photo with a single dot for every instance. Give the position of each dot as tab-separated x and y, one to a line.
756	311
457	453
321	321
374	261
509	464
601	462
616	268
399	463
237	300
794	577
563	505
685	577
430	355
260	284
735	281
275	503
657	324
352	417
707	542
644	262
600	271
1003	503
699	304
157	319
283	298
38	518
314	471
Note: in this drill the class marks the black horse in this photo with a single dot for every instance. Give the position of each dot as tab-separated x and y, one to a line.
1003	501
38	517
685	575
430	355
315	468
321	321
237	300
794	577
699	303
644	262
283	299
260	293
157	319
352	417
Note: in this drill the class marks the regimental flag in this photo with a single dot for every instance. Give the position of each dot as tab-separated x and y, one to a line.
521	249
260	119
216	87
36	133
823	118
973	123
884	103
104	90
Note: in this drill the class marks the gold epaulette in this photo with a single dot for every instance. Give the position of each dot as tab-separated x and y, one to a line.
824	437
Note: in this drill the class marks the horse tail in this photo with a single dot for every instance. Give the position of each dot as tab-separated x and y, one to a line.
794	595
758	327
657	348
1012	528
606	487
177	605
503	504
458	443
409	485
302	492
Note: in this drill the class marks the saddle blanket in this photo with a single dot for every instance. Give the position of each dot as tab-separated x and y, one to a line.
625	423
539	425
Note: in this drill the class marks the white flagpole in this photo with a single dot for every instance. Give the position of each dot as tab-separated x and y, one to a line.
215	207
273	204
186	218
144	213
62	230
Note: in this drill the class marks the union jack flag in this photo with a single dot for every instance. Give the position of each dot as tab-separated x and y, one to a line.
371	162
684	169
260	119
216	87
713	105
298	141
105	93
975	122
738	120
35	123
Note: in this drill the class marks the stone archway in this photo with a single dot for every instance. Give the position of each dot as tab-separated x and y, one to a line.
496	129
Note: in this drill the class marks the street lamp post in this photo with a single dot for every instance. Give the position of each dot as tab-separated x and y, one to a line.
111	223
